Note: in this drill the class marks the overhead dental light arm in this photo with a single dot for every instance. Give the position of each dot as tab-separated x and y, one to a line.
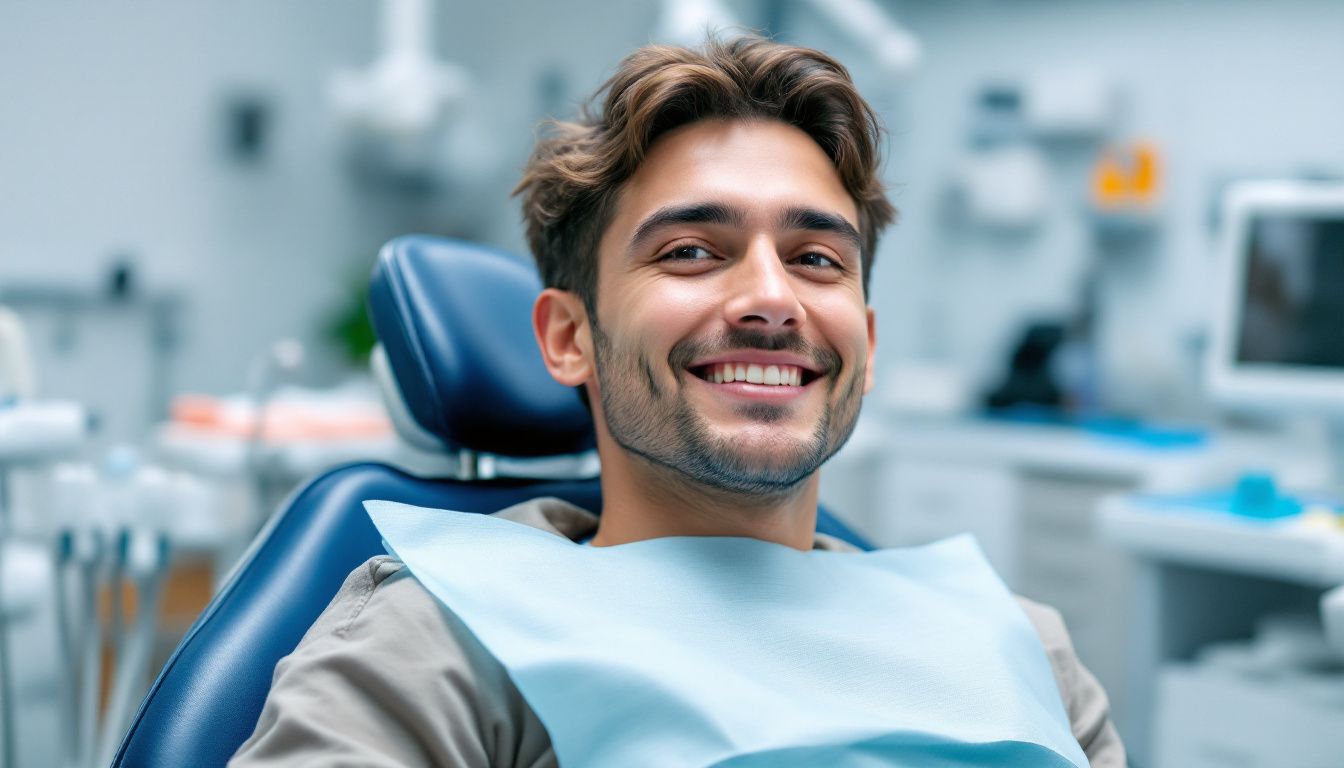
406	94
863	22
685	22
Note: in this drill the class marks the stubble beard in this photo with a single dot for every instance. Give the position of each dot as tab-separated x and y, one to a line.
659	424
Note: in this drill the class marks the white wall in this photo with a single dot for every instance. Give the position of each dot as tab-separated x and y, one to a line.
112	139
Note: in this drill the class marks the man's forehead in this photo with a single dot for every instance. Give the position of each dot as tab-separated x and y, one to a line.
760	169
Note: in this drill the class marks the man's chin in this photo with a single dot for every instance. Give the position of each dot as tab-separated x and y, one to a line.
771	449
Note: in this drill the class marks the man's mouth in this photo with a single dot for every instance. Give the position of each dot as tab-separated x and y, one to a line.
778	375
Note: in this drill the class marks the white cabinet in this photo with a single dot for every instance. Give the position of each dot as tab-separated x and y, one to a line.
1219	690
1210	718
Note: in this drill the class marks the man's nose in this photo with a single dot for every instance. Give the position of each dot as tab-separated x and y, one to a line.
762	292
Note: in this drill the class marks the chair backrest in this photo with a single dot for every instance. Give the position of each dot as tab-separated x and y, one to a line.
447	314
455	322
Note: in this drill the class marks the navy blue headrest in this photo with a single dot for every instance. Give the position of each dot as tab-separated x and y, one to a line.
455	321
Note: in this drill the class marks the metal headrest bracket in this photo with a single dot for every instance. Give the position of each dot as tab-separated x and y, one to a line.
466	465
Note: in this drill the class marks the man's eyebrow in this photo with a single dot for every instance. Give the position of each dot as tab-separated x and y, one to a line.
820	221
696	213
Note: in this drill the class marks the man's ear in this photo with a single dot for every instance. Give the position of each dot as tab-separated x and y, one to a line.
872	347
561	325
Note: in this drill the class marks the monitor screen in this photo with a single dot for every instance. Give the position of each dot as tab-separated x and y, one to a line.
1292	302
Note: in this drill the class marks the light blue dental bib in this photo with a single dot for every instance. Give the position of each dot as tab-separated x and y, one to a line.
736	652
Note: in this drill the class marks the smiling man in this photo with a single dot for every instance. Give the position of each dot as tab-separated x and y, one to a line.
706	237
726	338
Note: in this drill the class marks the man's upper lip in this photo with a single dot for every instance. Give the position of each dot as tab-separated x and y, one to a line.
759	357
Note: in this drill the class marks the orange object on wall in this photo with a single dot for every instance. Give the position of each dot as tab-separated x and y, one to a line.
1127	177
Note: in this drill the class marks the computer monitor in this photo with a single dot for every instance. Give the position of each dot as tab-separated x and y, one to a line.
1278	332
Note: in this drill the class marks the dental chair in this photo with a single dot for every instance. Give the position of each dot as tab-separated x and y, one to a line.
484	426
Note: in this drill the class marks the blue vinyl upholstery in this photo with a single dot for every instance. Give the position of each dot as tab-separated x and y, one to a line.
206	700
449	367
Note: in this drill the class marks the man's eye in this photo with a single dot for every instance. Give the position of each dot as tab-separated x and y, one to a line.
815	259
687	253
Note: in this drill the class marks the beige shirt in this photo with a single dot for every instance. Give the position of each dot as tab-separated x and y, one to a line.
387	677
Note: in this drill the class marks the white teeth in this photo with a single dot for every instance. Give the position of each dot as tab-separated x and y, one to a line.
770	375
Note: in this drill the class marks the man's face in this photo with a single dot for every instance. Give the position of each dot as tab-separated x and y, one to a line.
732	339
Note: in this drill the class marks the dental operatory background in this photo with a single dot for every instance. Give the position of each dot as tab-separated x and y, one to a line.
1110	316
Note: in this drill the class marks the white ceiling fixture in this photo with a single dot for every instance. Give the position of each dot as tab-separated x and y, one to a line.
406	99
687	22
863	22
867	25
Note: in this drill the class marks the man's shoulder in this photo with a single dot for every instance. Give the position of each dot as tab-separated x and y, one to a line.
388	675
385	616
379	588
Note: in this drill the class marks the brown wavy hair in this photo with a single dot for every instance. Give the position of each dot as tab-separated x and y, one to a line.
570	186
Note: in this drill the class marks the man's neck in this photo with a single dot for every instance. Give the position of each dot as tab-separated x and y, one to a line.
644	501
